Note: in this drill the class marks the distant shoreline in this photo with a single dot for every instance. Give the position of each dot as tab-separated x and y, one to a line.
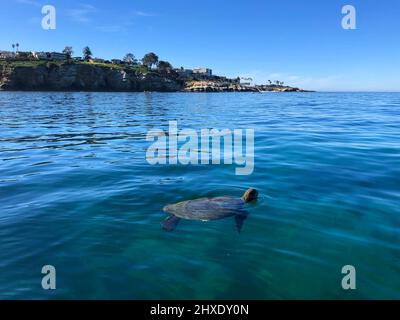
181	91
56	76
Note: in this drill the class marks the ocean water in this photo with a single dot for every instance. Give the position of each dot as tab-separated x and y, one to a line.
76	192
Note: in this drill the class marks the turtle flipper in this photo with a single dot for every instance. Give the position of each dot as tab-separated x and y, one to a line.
239	219
170	223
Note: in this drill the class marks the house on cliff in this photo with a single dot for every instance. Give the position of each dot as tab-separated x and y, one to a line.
59	56
203	72
6	55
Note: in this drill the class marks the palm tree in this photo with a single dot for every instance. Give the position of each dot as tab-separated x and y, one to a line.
270	82
17	45
13	46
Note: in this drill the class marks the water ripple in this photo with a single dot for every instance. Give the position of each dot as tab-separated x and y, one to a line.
76	192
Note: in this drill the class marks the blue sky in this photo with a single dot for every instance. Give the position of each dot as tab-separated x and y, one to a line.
299	42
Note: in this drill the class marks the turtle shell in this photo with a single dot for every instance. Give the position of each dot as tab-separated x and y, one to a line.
207	208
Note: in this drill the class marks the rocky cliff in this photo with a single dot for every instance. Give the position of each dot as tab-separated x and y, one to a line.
81	77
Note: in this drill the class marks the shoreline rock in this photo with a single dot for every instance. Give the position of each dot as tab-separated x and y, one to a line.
78	77
222	86
82	77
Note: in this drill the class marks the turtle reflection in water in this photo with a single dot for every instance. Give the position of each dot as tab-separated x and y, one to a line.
206	209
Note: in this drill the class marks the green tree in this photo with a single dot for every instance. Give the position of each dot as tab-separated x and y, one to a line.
129	58
164	67
68	52
87	53
150	59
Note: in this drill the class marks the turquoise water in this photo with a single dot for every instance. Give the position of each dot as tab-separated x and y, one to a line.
76	192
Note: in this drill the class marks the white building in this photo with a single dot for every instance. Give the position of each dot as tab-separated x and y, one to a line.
246	82
57	56
40	55
206	72
6	54
184	73
49	55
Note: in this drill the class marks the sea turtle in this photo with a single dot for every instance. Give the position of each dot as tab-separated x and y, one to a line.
206	209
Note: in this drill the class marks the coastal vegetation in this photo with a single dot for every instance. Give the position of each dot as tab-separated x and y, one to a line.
150	59
68	52
36	63
87	53
129	59
63	71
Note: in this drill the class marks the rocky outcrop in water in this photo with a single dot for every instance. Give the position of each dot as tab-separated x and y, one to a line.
81	77
226	86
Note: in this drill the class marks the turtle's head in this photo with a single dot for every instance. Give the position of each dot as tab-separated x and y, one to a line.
167	208
250	195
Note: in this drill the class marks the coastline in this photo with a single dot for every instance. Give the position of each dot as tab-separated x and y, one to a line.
28	76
